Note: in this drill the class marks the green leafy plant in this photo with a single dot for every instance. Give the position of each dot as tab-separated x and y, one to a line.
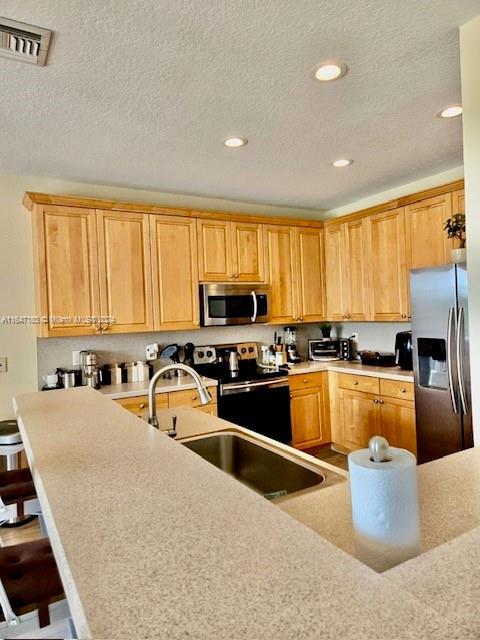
325	328
455	227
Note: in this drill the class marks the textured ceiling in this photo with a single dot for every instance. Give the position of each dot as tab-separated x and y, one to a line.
141	94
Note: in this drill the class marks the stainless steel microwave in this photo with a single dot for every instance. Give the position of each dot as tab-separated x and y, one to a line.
226	304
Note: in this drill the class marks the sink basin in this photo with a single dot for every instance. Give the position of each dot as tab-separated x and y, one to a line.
266	472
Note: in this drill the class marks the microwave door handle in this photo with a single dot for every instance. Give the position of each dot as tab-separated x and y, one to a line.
450	327
255	306
460	338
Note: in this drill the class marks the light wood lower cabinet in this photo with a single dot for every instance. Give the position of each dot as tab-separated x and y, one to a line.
309	410
358	414
138	405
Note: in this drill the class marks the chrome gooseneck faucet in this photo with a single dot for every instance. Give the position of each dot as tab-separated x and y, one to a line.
205	396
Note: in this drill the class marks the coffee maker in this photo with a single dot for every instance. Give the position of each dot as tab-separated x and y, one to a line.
290	339
89	369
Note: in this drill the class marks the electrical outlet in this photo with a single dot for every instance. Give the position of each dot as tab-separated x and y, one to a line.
3	365
76	358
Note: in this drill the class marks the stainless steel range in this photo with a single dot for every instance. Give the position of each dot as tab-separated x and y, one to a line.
249	394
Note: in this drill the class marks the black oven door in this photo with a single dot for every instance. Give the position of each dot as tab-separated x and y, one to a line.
262	406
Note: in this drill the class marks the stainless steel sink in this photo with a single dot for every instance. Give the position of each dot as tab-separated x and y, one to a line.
265	471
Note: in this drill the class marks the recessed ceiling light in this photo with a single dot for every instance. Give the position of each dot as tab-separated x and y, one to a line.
453	111
328	71
234	142
343	162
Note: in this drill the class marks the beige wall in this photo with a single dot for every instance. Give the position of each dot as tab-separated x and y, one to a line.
470	63
402	190
18	343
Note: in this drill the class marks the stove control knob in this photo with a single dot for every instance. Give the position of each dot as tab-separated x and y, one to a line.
243	350
209	354
200	354
250	349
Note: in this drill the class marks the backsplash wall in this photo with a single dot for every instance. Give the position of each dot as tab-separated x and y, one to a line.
57	352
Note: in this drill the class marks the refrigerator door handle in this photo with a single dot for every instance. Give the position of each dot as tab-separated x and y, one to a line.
460	338
450	328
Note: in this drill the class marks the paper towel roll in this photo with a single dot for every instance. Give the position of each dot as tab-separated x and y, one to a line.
385	509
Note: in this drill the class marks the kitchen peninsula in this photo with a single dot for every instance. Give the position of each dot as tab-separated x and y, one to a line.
227	562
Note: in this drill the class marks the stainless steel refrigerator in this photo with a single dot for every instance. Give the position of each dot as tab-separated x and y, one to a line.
441	360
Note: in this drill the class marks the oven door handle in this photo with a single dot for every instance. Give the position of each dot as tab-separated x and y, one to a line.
263	383
255	305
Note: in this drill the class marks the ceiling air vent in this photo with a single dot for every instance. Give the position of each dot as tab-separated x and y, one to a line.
23	42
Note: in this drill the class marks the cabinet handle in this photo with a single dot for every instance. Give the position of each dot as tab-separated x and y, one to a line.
355	382
381	401
404	315
194	398
403	390
305	380
375	401
141	405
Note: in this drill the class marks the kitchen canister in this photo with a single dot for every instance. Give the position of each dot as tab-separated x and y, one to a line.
384	497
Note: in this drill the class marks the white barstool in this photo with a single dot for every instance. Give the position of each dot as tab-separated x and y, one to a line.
10	447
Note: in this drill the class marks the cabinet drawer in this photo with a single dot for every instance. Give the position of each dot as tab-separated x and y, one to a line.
139	404
358	383
397	389
189	398
306	381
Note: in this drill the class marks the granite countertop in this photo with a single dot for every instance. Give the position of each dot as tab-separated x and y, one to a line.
132	389
443	516
355	367
154	542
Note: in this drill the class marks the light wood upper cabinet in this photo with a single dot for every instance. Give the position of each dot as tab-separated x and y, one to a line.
248	252
310	275
335	277
427	242
66	270
458	201
230	251
214	251
175	277
125	274
388	266
346	270
281	259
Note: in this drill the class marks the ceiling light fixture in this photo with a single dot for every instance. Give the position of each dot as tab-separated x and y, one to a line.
343	162
329	70
234	142
453	111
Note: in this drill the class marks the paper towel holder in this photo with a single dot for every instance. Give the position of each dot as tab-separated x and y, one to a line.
379	449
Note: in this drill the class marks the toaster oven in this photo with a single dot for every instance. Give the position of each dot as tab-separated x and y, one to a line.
324	349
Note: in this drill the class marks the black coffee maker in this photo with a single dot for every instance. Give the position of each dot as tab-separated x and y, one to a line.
403	350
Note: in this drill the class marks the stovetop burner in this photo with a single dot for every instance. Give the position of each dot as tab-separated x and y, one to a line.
248	371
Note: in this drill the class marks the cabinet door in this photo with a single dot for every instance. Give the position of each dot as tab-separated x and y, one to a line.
356	252
138	405
125	270
310	275
335	277
398	423
359	418
309	421
214	251
248	252
388	267
427	242
281	265
66	270
458	201
175	278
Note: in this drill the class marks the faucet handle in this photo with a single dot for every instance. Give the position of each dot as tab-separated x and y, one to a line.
173	431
